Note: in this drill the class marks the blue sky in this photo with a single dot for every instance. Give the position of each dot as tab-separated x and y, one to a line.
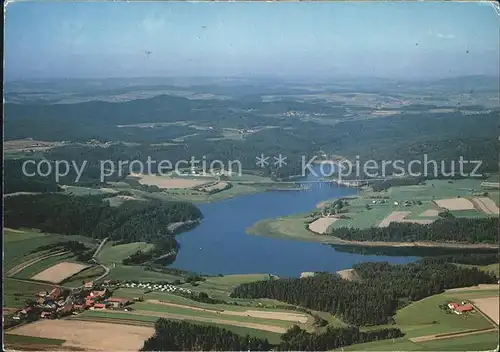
120	39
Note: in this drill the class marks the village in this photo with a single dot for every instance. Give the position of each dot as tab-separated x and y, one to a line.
61	302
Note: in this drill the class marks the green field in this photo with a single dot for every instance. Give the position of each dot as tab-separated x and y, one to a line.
123	272
31	340
469	214
492	268
110	254
159	308
289	227
32	270
272	337
18	245
425	317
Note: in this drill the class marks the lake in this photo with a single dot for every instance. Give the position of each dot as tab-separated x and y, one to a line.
220	245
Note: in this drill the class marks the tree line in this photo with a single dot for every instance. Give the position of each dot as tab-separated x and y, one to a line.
171	335
414	251
466	258
374	299
450	229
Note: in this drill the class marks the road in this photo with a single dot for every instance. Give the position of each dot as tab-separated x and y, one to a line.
100	247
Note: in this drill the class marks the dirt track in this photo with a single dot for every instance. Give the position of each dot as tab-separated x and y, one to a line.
20	267
450	335
264	327
91	336
293	317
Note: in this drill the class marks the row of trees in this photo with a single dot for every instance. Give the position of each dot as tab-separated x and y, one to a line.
466	258
374	299
171	335
450	229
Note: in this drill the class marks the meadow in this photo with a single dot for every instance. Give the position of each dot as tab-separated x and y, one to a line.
122	318
425	317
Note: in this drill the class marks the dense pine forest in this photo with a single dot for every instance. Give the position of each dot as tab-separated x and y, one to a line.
90	216
15	181
173	335
461	230
374	299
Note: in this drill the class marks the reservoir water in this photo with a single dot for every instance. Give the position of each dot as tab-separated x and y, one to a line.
220	244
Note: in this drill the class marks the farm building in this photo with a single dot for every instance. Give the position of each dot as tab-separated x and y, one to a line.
101	305
118	302
464	309
452	305
89	284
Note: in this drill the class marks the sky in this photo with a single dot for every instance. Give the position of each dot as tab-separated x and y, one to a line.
301	39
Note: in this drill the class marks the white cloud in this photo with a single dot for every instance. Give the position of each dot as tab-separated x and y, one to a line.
445	36
441	35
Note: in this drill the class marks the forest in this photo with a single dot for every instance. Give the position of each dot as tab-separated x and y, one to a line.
372	301
92	217
15	181
171	335
439	136
461	230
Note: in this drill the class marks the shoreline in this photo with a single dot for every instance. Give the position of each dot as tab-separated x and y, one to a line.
258	230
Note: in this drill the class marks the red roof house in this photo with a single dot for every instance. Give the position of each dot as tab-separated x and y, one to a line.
464	308
99	306
453	305
118	302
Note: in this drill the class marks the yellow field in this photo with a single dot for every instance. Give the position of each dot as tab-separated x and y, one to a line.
59	272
